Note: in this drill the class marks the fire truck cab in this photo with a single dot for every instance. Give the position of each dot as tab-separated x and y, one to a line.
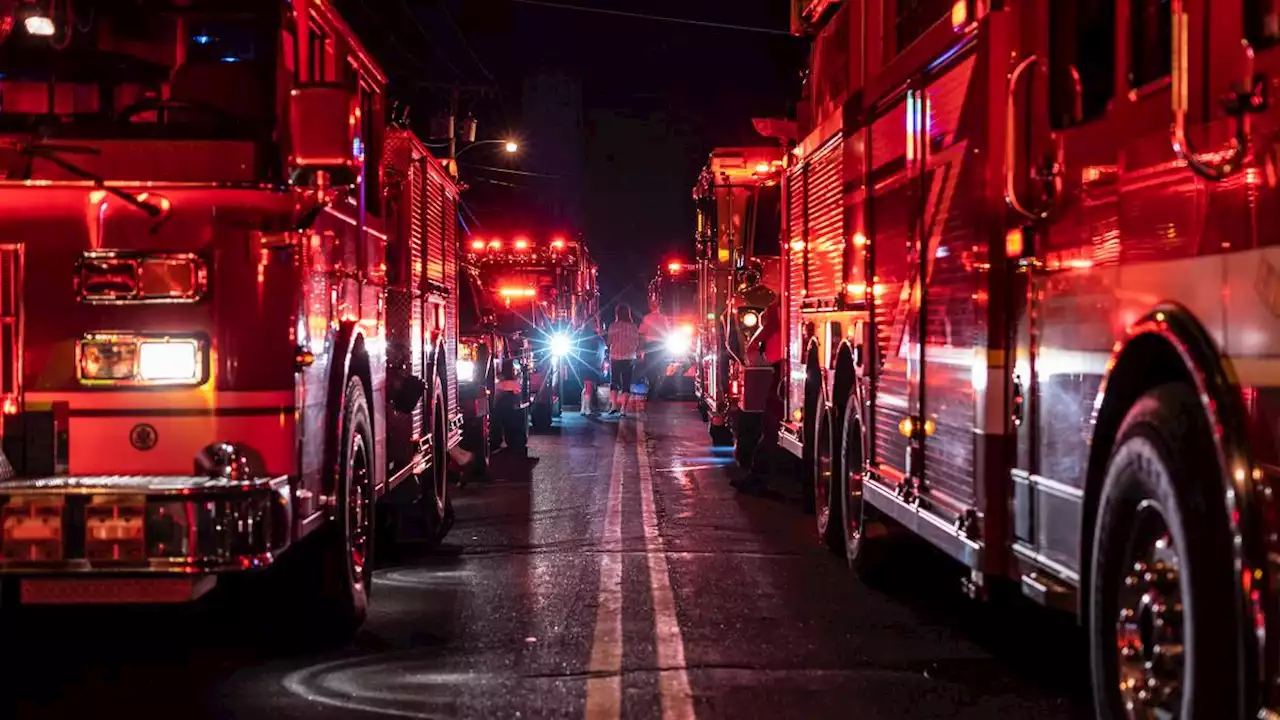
738	201
1031	306
227	322
675	291
545	295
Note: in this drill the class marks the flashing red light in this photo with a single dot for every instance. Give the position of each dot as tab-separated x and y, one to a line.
517	292
558	243
495	244
763	168
477	245
522	243
674	267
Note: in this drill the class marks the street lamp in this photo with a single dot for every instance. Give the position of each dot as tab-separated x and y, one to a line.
509	145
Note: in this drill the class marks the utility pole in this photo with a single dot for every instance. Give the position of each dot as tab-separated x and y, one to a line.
453	122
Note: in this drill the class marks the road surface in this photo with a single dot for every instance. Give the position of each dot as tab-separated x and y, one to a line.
613	573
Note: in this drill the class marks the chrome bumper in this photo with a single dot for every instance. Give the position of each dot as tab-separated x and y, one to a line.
130	524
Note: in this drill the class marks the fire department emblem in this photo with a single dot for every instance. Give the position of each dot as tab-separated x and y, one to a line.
143	437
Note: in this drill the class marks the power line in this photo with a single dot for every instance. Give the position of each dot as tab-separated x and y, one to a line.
435	49
449	16
513	172
658	18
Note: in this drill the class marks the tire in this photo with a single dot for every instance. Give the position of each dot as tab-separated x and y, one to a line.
435	499
515	426
335	585
808	433
1162	540
721	435
865	533
746	439
827	484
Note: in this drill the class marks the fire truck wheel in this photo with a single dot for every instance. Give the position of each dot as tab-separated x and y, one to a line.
721	435
435	484
865	531
335	595
1165	633
515	427
826	482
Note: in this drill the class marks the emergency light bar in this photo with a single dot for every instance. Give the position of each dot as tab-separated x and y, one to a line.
517	292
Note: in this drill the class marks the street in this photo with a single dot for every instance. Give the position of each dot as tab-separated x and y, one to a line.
590	580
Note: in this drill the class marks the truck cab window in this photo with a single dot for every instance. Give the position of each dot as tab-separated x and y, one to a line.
1082	49
1150	41
767	225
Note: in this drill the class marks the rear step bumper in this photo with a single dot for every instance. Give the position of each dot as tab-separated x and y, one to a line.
134	524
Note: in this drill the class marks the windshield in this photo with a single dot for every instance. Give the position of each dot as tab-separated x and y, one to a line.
142	68
678	298
766	221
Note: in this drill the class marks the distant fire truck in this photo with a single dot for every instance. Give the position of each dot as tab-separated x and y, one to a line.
227	324
1031	301
675	290
487	355
738	200
546	294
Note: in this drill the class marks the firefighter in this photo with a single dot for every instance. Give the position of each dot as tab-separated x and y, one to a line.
653	336
758	441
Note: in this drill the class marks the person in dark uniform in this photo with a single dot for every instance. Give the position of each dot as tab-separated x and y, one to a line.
765	445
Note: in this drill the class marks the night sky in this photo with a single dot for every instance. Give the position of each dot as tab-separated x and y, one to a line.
656	97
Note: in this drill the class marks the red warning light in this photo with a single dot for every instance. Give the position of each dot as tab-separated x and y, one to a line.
674	267
495	244
522	243
558	243
477	245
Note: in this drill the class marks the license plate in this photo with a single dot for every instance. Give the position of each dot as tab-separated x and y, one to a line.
105	591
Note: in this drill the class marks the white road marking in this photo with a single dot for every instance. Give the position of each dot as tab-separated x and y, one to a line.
604	687
673	680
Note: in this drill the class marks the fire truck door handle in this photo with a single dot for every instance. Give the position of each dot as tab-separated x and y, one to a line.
1019	401
1249	99
1049	172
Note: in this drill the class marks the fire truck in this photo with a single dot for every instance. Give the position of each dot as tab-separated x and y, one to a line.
1031	309
546	295
227	333
674	289
738	202
486	354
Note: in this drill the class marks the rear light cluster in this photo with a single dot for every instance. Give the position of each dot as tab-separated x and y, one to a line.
124	359
520	245
467	354
116	277
127	529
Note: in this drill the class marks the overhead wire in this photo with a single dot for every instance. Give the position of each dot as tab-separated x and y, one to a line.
465	43
656	18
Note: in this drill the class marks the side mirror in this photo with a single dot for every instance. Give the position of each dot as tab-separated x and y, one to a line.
323	123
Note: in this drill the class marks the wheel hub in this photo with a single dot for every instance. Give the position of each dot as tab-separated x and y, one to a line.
357	510
1150	632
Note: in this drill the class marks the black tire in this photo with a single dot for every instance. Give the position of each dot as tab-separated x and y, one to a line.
515	426
865	532
746	438
721	435
335	583
829	507
542	414
808	433
1162	540
435	499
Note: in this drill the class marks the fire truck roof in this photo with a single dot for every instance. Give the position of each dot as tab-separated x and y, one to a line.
740	166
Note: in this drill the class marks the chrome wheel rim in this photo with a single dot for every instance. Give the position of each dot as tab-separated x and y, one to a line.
823	470
1150	629
358	507
853	503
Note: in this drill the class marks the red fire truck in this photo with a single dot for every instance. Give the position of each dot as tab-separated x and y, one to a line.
738	201
545	294
1031	303
675	290
225	334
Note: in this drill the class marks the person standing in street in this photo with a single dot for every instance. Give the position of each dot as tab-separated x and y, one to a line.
653	335
591	367
624	345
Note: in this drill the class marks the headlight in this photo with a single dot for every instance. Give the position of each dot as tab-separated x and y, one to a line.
466	370
112	359
561	345
169	361
679	343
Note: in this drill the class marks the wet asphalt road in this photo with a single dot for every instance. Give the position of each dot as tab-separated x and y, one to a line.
726	607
